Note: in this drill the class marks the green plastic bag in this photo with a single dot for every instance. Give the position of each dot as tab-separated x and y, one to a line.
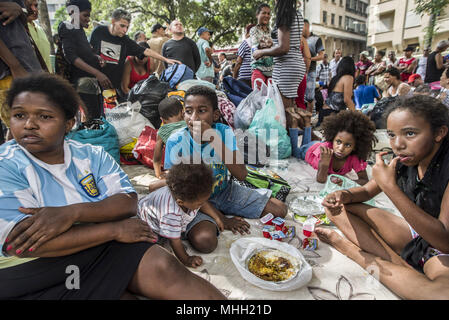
347	184
266	122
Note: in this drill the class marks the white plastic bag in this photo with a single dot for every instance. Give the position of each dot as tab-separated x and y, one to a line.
127	121
275	95
246	109
242	249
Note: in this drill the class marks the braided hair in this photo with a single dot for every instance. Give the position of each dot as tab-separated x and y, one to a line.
285	13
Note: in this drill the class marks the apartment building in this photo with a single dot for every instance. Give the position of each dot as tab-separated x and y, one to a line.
393	25
340	24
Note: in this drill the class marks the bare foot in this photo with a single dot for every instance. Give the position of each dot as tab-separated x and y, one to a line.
291	111
334	239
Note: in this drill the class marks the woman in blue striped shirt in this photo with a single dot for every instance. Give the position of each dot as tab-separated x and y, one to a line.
66	209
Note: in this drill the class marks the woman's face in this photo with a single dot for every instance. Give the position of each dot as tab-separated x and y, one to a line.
444	80
378	57
389	79
85	19
263	18
39	126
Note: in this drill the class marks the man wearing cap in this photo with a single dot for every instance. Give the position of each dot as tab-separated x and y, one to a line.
156	42
206	69
407	64
415	80
181	48
435	63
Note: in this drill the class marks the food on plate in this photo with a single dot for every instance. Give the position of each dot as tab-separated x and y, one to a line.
273	265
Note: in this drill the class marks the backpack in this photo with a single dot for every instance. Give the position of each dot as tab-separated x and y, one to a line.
266	179
377	114
175	74
149	92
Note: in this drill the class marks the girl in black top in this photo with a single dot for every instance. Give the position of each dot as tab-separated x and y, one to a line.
409	255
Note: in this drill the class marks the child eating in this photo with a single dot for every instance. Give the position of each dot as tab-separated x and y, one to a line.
349	138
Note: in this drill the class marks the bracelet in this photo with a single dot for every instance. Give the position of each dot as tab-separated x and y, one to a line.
352	195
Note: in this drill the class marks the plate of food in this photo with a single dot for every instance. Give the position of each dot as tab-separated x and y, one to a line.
269	264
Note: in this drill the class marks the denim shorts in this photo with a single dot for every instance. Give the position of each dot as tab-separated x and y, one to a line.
236	200
311	86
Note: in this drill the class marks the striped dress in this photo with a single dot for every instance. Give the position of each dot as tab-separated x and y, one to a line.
289	69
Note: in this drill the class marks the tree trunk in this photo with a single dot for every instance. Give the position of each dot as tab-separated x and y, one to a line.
44	21
431	30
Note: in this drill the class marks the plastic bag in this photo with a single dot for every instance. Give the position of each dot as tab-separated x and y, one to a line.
346	184
246	110
187	84
242	249
145	146
265	127
127	121
275	95
149	93
98	132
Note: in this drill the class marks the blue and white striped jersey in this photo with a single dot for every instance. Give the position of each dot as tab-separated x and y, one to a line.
88	174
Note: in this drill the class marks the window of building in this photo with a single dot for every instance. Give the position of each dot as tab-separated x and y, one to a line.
325	17
332	19
385	22
340	21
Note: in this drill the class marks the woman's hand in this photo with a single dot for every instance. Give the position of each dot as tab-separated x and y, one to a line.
383	174
43	225
134	230
257	54
236	224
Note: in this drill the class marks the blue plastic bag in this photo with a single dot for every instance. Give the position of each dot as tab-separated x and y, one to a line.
105	136
266	127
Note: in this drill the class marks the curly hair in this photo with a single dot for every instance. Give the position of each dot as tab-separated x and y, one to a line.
58	90
189	182
355	123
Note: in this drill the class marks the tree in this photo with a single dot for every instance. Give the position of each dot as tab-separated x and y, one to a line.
433	8
44	21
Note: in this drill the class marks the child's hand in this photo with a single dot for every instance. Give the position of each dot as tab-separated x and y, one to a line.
193	261
335	201
383	174
236	224
326	155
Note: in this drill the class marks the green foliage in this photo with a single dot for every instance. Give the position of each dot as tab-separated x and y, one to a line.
433	8
60	15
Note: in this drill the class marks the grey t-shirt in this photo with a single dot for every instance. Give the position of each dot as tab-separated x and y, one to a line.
17	40
316	46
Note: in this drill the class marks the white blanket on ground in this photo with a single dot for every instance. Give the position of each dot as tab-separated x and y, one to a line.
335	277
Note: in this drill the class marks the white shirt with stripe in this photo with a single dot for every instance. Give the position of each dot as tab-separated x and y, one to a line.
88	174
160	210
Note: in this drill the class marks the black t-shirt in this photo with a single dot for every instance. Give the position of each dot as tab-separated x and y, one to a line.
16	39
316	46
75	45
432	72
427	194
114	51
184	50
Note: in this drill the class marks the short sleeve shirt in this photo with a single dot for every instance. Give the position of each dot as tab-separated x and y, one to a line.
181	147
160	210
88	174
203	71
313	157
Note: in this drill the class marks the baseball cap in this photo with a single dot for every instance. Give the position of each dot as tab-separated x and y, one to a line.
413	77
409	48
156	27
202	30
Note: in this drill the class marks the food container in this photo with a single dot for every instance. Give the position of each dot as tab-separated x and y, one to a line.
267	219
279	223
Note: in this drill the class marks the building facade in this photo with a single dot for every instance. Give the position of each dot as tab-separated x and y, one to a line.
53	6
341	24
393	25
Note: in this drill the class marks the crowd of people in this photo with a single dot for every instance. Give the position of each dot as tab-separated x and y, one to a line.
97	222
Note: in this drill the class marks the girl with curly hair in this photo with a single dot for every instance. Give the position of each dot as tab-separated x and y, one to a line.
349	138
